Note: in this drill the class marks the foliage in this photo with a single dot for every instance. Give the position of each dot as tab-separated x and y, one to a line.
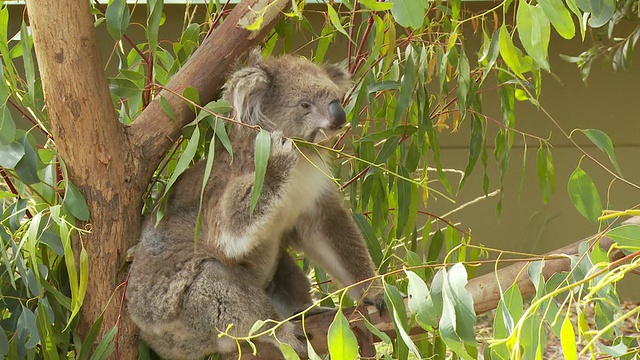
413	79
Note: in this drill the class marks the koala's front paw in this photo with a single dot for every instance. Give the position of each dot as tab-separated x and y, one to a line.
374	295
282	145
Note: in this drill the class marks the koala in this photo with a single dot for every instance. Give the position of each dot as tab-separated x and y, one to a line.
182	293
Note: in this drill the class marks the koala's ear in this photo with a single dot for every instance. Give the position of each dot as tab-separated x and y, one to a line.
339	75
245	91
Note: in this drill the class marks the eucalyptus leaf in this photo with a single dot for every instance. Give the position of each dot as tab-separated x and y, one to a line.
341	340
261	158
584	195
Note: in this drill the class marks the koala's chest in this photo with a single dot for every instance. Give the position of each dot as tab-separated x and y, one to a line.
308	183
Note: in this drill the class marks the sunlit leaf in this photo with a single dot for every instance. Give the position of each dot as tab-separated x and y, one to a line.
511	55
568	340
376	6
341	340
560	17
534	32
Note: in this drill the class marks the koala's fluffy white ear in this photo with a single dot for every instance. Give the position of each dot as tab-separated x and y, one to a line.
340	75
245	91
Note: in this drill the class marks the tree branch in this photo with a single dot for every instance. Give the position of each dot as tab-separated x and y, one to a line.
153	132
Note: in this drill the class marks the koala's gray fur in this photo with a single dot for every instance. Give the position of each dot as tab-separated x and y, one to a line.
181	296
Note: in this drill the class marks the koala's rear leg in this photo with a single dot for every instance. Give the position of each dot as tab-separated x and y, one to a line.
221	296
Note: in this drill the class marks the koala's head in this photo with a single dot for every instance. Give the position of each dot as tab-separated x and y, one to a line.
290	94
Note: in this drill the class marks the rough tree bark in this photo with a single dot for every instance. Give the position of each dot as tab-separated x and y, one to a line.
110	163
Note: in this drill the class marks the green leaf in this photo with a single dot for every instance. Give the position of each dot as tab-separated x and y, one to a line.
192	95
475	147
409	13
511	55
375	331
74	202
342	342
604	143
27	167
448	325
27	323
376	6
370	237
154	16
10	154
584	195
26	44
601	11
117	17
559	16
48	344
106	345
568	339
420	302
186	157
164	104
626	236
456	281
543	179
4	343
406	90
534	32
288	352
396	306
335	20
261	158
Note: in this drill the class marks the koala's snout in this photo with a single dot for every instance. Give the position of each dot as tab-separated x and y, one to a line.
338	117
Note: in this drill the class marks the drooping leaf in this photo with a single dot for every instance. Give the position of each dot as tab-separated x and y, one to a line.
335	20
186	157
154	16
603	142
261	158
584	195
341	340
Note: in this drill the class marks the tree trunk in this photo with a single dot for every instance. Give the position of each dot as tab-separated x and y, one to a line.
112	164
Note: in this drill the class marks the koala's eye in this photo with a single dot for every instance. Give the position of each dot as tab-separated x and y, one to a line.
305	105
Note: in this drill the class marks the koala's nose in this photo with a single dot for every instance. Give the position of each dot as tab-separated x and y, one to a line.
338	117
